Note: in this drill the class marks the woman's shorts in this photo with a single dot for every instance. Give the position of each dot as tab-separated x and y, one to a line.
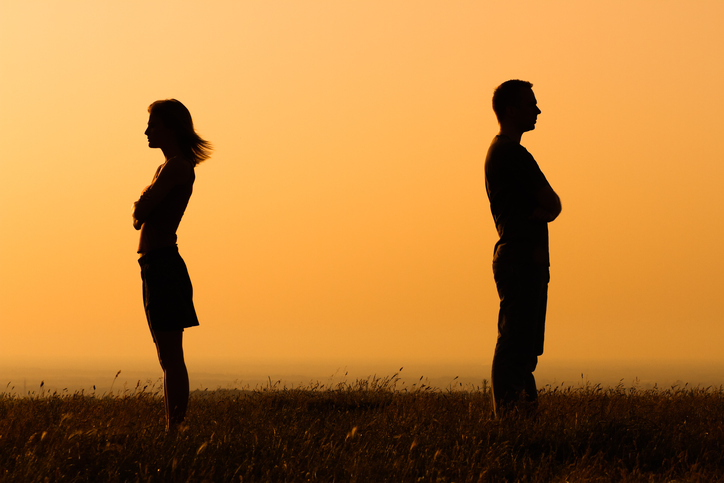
167	291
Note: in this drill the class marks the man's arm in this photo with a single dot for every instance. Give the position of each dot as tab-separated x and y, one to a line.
171	174
548	205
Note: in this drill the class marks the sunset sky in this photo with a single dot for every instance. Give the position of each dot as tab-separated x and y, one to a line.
343	215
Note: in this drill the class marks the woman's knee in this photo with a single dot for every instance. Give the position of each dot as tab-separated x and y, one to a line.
170	348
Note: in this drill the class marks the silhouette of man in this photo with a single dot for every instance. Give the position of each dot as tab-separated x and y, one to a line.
522	203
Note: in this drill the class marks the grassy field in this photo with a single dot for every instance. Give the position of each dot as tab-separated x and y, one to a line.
367	431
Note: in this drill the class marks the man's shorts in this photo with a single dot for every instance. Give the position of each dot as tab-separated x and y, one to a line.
167	291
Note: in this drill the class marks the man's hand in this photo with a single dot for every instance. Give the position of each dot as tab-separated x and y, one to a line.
539	214
549	205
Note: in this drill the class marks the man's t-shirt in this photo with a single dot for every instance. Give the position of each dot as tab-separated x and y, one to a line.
512	178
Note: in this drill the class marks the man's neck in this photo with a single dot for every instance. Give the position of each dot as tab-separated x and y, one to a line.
512	134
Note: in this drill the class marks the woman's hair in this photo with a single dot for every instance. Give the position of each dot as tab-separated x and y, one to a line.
177	118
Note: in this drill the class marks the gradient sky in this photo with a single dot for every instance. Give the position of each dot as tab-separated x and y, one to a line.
343	215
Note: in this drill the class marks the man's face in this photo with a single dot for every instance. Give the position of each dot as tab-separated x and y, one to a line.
526	112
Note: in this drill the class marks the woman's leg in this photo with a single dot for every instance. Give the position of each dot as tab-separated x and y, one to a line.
169	345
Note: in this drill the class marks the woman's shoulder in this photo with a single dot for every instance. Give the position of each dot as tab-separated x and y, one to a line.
180	168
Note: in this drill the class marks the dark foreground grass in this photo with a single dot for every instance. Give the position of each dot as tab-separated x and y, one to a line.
368	432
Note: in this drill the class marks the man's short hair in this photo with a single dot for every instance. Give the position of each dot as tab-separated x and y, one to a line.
508	94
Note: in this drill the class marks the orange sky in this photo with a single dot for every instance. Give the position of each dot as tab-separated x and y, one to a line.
343	215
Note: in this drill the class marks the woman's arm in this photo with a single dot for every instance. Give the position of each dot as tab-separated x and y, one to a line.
171	173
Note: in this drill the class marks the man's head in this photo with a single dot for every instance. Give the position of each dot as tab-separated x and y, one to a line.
515	104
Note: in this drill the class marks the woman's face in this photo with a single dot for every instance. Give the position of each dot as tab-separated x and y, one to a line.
158	135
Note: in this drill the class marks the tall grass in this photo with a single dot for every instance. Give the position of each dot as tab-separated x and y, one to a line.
366	431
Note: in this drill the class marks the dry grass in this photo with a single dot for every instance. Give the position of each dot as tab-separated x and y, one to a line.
366	431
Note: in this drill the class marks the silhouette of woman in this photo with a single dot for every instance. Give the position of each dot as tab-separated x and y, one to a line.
167	291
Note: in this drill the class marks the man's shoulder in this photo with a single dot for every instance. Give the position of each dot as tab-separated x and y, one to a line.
504	151
504	146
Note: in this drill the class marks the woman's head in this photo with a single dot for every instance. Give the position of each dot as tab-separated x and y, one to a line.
176	118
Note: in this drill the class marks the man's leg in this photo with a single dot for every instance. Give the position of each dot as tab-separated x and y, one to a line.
521	326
